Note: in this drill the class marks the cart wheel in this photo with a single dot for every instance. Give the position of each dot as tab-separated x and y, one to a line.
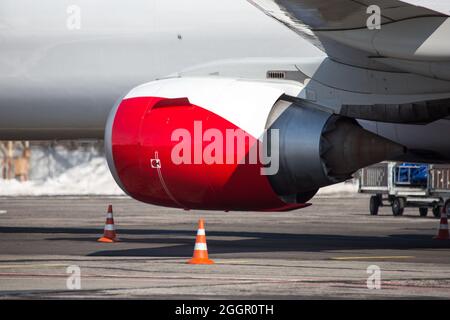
423	212
437	211
374	205
398	205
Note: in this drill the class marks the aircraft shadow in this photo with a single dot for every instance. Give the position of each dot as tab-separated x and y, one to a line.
179	243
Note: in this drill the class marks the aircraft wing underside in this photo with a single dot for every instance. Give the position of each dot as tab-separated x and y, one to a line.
412	35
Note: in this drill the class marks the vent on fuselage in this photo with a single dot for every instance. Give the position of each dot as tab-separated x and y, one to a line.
276	75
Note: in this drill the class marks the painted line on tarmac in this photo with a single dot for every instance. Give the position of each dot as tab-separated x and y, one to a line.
236	262
3	211
372	258
243	280
11	266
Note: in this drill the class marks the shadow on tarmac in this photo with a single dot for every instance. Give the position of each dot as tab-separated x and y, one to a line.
179	243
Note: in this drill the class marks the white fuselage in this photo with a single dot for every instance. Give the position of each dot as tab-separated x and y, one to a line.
63	64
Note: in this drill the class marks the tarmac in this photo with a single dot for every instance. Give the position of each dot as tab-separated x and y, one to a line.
320	252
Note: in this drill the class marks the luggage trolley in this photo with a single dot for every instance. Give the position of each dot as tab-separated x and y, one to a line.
402	185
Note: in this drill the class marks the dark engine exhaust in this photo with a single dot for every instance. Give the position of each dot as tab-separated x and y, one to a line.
318	149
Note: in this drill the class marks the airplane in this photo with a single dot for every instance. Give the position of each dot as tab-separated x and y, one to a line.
230	105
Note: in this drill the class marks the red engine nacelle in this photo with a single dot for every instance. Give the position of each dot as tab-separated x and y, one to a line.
163	144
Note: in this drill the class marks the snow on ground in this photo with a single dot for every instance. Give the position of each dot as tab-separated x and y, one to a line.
344	189
59	171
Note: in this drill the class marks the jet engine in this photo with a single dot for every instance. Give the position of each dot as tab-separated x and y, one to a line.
231	144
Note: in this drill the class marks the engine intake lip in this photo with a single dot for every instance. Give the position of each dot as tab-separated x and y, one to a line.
108	143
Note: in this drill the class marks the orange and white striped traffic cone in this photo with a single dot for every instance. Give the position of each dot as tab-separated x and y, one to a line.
200	250
443	233
109	233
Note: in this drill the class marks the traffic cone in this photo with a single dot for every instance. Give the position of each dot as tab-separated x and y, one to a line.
109	233
443	233
200	250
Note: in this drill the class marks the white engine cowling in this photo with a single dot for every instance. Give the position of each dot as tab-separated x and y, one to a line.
230	144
